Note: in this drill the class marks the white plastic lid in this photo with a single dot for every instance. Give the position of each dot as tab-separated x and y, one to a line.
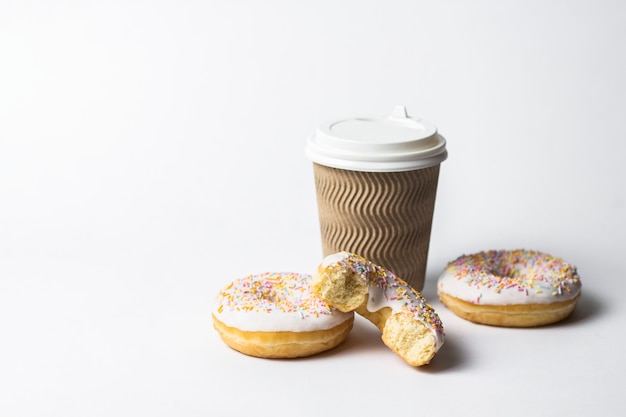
394	143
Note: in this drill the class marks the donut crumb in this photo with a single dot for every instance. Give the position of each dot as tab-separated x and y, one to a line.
344	291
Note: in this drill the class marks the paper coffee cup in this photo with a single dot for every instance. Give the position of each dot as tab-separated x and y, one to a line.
376	183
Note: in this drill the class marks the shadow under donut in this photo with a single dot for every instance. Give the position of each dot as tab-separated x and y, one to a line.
365	337
450	356
588	308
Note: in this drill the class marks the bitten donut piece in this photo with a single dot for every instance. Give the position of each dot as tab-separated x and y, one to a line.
510	288
275	315
410	327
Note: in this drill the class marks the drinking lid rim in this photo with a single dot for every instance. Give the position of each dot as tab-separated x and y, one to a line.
394	143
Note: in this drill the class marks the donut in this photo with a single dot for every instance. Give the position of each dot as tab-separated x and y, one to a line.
510	288
410	327
275	315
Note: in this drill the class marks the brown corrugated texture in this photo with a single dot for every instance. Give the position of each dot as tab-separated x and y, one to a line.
383	216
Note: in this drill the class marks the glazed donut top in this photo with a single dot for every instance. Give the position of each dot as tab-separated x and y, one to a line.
385	289
504	277
275	301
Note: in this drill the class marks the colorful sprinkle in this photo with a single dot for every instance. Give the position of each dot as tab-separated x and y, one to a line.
521	270
270	292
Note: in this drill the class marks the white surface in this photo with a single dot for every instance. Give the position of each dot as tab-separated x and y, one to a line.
152	151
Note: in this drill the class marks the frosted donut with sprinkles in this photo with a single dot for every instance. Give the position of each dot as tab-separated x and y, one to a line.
510	288
275	315
410	326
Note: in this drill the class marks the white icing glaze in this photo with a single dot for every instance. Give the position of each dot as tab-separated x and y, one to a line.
273	302
332	259
509	277
386	290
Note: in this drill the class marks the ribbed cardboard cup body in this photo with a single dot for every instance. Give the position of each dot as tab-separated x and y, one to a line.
383	216
376	183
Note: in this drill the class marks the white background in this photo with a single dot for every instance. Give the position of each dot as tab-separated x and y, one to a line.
153	151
